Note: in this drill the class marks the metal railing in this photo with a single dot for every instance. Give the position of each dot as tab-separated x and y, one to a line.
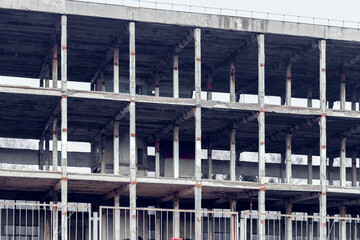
229	12
162	224
42	221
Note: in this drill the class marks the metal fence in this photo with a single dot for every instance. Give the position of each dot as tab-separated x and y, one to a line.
37	221
229	12
162	224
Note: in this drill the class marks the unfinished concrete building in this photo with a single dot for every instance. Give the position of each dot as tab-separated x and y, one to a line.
150	115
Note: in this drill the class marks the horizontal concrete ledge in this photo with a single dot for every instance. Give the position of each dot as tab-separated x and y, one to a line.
30	174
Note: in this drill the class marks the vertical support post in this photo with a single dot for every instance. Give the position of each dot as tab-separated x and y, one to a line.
353	99
354	228
157	225
233	220
116	70
102	81
95	226
233	154
288	158
288	221
47	72
210	162
310	168
47	150
64	185
288	85
354	173
176	77
310	95
157	157
102	152
282	167
310	228
55	218
331	166
343	161
210	226
261	145
157	85
342	224
176	166
133	167
55	145
117	217
209	86
116	148
55	66
41	154
176	218
342	91
198	188
232	82
323	181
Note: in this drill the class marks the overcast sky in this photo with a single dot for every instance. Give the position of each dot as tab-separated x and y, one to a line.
334	9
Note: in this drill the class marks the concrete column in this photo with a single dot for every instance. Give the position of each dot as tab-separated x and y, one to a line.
176	170
102	82
282	167
157	225
342	92
310	169
343	161
116	148
233	219
47	73
232	82
117	217
288	85
354	173
209	86
310	95
157	85
47	230
288	158
41	154
342	223
197	190
116	70
288	221
210	229
55	218
102	152
55	145
331	166
176	218
133	167
310	229
95	226
157	157
176	77
233	155
322	122
210	162
47	150
353	228
353	99
55	65
261	146
64	185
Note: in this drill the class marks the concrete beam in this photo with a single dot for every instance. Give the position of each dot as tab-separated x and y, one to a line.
296	199
110	53
176	122
169	56
52	50
118	191
182	193
246	194
120	115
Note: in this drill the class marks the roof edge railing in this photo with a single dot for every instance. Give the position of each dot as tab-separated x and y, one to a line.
229	12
